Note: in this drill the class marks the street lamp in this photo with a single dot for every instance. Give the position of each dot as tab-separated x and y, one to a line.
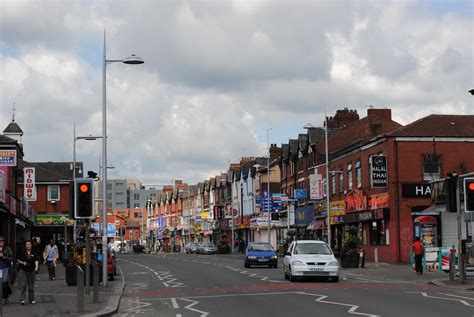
132	60
268	202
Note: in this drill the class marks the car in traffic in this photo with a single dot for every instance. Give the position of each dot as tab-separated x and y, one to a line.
191	247
310	258
207	248
260	253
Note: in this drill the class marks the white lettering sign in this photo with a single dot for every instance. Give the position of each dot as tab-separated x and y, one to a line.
29	185
316	186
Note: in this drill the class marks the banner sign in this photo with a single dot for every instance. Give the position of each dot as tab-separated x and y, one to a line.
377	201
316	186
337	208
301	194
7	157
420	190
29	185
53	220
378	171
356	201
3	183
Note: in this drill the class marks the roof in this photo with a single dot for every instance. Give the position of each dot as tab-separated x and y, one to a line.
293	148
303	142
13	127
52	171
439	126
315	135
285	150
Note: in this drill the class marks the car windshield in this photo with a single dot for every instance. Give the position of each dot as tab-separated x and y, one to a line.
260	247
311	248
210	244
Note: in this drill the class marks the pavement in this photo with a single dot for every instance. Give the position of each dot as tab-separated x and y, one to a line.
56	298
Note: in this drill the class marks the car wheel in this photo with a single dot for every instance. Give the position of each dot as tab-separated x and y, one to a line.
290	276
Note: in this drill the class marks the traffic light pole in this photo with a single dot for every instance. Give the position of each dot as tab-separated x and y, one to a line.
88	257
460	254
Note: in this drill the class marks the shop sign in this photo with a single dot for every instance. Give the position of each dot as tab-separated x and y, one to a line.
356	201
337	220
52	220
377	201
7	157
378	171
420	190
197	227
205	215
301	194
337	208
316	186
29	185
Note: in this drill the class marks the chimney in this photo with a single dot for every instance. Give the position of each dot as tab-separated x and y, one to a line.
342	118
275	151
384	114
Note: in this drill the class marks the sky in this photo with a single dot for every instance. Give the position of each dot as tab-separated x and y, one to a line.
217	74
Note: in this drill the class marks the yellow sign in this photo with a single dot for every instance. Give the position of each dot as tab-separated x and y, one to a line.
337	208
205	215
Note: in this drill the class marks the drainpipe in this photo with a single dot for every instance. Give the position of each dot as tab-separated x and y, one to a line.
399	251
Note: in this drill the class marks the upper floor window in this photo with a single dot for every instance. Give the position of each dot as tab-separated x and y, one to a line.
292	167
431	167
358	174
333	184
341	182
53	192
284	170
349	176
136	196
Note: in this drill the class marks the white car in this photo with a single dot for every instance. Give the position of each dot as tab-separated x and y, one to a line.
310	258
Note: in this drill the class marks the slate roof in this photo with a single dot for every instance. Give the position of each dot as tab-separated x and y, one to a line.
52	171
315	136
303	143
285	150
13	127
293	148
10	143
439	126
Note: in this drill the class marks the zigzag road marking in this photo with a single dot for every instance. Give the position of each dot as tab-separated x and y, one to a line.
444	298
193	302
352	309
139	306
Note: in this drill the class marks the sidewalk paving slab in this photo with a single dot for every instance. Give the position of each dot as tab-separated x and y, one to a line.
56	298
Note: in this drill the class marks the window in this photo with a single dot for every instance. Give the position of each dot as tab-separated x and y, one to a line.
136	196
349	176
292	167
109	186
53	192
431	167
333	184
137	215
358	174
379	232
341	181
284	170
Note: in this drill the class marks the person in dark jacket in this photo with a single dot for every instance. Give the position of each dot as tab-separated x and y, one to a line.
6	258
28	264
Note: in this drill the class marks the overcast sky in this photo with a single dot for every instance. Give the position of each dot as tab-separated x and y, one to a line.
217	73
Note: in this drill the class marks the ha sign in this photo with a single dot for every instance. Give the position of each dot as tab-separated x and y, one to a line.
29	185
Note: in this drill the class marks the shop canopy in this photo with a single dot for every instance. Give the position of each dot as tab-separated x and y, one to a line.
433	210
316	224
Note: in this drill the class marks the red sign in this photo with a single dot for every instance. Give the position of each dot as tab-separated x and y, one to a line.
377	201
356	201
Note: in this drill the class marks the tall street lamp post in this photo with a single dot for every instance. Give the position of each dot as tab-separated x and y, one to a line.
268	201
133	60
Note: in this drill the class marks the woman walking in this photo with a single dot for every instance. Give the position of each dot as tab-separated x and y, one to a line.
28	265
6	258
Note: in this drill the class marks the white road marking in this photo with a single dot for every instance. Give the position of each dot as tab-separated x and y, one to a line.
134	273
445	298
193	303
463	297
175	303
352	309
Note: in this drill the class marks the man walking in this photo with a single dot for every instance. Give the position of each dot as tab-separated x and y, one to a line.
418	251
28	265
50	256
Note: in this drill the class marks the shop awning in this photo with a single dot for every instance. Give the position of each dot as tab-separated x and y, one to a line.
316	224
433	210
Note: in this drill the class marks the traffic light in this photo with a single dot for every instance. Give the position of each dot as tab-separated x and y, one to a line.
451	184
469	194
84	199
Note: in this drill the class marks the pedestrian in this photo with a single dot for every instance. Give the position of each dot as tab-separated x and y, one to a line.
418	251
37	250
28	265
6	258
51	256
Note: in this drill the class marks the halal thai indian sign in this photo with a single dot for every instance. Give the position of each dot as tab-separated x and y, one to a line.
378	171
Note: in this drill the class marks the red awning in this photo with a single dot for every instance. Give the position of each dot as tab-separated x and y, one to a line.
425	219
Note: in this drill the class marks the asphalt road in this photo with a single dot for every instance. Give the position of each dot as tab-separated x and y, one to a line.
181	285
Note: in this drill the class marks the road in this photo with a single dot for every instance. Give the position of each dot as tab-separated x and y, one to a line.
181	285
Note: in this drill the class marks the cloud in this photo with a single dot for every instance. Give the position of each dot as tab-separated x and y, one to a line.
217	72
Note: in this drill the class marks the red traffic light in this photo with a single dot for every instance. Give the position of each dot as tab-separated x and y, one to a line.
84	188
471	186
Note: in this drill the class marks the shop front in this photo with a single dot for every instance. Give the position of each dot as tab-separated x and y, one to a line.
53	226
304	216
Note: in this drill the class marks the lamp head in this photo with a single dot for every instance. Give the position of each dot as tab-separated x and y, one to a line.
133	60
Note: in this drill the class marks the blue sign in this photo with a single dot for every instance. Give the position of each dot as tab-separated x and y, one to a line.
160	222
301	194
111	230
258	200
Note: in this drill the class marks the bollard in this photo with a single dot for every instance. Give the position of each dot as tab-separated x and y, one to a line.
96	282
376	257
80	290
